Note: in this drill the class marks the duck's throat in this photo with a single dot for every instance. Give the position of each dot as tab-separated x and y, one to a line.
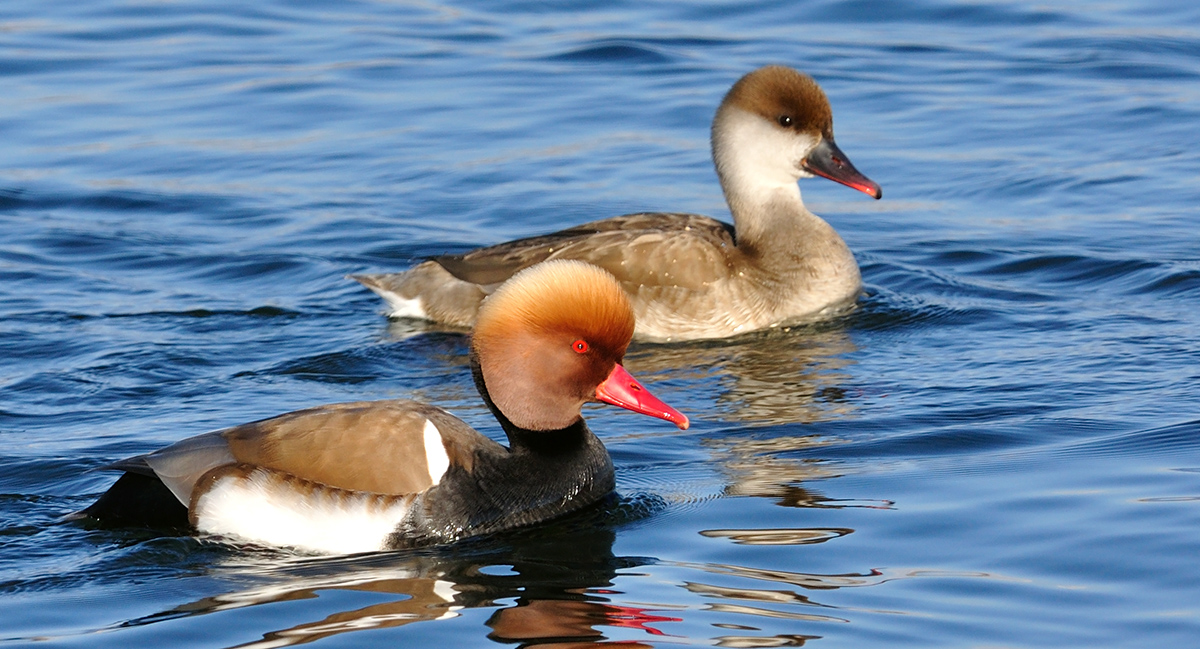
781	236
552	442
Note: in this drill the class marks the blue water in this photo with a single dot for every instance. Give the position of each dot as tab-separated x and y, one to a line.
1001	447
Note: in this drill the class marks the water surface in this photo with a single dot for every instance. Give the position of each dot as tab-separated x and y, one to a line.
1000	447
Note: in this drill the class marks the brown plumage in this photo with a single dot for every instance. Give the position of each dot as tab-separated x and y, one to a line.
369	446
776	91
689	276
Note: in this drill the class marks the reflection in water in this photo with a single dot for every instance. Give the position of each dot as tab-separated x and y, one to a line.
551	588
405	328
748	642
778	378
763	605
791	375
754	595
808	581
558	581
804	580
754	467
558	623
778	536
767	612
759	596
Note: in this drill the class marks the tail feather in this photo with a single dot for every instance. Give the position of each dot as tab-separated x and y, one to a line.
136	500
428	292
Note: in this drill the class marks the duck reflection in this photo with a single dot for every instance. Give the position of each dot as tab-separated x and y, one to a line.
562	624
777	467
745	642
760	604
554	588
779	376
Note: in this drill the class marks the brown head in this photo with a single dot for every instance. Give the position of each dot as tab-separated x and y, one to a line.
776	123
784	96
551	339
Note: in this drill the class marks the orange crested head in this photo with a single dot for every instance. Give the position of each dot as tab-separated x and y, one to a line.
551	339
563	300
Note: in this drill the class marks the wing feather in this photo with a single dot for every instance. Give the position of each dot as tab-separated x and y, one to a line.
644	249
368	446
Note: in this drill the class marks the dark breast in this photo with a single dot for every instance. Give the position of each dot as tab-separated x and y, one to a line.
510	489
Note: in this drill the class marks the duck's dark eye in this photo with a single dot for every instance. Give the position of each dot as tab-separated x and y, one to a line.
785	121
580	346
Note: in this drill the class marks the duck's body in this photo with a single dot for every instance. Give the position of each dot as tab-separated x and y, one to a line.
365	476
690	276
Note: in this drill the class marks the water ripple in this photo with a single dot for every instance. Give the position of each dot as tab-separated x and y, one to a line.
615	51
1010	413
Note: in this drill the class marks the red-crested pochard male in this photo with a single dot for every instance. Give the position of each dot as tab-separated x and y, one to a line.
690	276
372	475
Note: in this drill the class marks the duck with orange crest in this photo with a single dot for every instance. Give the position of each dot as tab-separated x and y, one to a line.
374	475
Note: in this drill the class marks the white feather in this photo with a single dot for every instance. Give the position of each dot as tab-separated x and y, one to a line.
403	307
435	452
264	510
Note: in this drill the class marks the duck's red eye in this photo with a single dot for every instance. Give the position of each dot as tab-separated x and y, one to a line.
580	346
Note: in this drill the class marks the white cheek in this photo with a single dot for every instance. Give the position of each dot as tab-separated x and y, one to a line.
263	509
755	152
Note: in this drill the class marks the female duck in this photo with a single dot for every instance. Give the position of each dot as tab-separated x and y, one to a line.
372	475
691	276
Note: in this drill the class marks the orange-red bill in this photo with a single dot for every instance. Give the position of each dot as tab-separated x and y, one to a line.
621	389
828	161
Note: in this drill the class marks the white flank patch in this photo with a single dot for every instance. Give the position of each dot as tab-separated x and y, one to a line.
403	307
263	510
435	452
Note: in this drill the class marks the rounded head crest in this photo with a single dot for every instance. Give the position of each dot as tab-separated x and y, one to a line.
551	339
783	96
559	297
547	338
